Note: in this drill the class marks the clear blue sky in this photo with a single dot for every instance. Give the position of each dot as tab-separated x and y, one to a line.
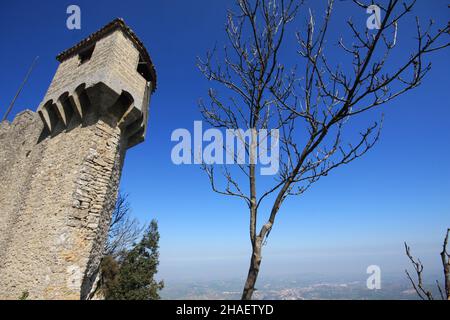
357	216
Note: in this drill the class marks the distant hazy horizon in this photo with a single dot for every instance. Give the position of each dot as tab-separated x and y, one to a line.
306	286
203	264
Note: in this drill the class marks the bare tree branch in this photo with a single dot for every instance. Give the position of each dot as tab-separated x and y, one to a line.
418	267
124	231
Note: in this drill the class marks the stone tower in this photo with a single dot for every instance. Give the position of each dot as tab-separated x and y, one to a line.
60	167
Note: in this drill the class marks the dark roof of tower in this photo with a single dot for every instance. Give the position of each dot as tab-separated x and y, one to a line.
115	24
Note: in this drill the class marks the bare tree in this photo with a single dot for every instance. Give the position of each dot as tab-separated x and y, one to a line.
418	285
124	230
310	110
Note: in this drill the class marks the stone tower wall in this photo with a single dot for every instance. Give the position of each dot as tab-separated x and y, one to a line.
56	198
113	61
60	166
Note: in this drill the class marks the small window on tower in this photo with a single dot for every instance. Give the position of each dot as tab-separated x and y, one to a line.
86	54
143	69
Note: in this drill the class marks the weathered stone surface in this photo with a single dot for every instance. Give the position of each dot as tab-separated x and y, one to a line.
60	169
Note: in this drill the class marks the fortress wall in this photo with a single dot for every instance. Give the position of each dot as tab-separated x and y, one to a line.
19	157
56	197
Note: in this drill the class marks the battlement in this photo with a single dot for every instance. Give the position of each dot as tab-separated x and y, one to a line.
110	73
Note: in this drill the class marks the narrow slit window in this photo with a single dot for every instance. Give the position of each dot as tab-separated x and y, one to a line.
143	69
86	54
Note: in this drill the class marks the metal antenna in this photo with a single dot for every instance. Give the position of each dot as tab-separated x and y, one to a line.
20	89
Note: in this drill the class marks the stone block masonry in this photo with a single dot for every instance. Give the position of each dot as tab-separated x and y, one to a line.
60	167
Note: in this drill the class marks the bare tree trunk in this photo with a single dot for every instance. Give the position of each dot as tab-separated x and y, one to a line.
253	271
446	264
447	280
